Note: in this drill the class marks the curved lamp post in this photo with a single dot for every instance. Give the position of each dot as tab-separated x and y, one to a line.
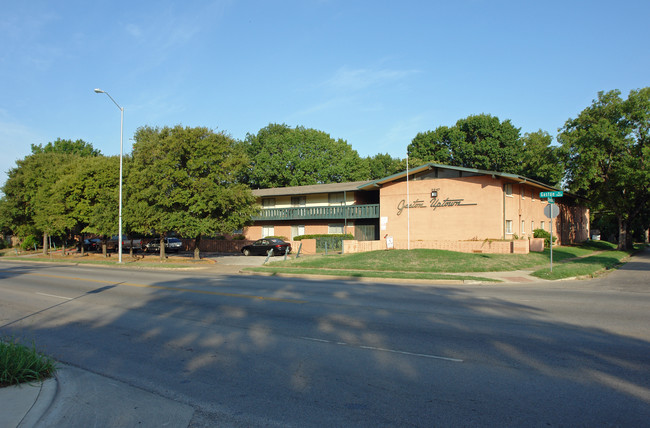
99	91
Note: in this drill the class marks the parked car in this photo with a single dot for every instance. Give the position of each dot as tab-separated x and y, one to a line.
94	244
261	247
172	245
127	244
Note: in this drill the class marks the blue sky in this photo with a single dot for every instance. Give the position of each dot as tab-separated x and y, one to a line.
373	73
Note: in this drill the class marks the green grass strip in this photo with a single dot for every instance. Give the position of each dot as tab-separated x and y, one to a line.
588	266
368	274
20	364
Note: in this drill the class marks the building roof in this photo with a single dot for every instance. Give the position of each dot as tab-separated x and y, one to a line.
427	166
376	184
311	189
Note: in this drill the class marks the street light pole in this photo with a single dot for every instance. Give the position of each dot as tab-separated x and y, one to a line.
119	218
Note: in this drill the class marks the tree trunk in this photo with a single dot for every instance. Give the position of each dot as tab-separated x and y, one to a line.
81	244
162	248
197	251
44	244
622	234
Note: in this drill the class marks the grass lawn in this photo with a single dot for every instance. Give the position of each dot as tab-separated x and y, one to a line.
588	266
590	257
431	261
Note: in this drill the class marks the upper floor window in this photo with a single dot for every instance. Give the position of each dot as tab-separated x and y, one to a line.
298	201
523	194
508	189
335	198
268	202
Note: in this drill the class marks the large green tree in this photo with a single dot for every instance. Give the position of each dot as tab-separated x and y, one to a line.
480	141
607	151
185	180
34	193
77	147
384	165
283	156
540	159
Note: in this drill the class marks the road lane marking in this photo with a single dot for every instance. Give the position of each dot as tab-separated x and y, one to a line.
53	295
394	351
162	287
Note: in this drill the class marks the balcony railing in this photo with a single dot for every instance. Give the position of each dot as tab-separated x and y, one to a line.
319	213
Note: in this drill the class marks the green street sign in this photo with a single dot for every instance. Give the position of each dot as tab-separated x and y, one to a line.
550	200
556	194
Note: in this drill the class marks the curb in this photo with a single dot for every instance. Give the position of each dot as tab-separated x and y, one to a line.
44	400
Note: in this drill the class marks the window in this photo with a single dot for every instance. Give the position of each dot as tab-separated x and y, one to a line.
336	228
268	202
508	189
542	225
268	231
532	195
523	194
509	227
298	201
532	226
523	226
297	230
335	198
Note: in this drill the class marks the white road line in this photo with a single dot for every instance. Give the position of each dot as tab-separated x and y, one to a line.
437	357
316	340
373	348
58	297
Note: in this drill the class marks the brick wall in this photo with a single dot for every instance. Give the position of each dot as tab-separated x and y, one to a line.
491	247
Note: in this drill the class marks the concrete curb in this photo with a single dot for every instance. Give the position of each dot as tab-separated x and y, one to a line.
48	390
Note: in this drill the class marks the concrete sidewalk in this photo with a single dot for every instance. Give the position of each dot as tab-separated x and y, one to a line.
77	398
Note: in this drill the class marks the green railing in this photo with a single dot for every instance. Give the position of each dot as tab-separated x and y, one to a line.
318	213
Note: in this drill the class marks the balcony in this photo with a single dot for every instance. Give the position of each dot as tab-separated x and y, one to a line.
319	213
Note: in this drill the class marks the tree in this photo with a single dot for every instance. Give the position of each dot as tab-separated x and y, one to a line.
282	156
540	160
92	195
607	155
34	200
384	165
185	180
79	147
481	141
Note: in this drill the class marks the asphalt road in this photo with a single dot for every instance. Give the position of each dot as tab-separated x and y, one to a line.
258	351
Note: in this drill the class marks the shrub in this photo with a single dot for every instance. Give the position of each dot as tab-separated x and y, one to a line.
29	242
239	237
332	242
541	233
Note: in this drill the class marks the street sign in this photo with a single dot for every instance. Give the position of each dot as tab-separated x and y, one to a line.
551	211
555	194
550	200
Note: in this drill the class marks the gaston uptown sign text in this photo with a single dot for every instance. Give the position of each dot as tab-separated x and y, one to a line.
434	203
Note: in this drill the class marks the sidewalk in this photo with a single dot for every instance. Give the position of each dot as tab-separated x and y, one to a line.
77	398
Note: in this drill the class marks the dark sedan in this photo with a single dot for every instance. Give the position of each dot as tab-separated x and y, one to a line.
261	247
94	244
